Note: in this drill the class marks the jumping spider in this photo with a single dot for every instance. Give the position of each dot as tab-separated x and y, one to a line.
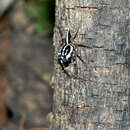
68	53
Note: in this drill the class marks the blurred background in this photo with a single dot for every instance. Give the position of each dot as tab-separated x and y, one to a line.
26	64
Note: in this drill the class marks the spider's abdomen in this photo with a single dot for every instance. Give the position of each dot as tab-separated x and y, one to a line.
65	55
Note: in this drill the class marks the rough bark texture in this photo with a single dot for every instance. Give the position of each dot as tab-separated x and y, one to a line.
102	100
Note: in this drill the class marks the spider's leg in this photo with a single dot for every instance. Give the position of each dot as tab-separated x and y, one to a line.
82	60
65	72
81	45
62	40
75	63
75	68
72	76
76	46
75	74
75	35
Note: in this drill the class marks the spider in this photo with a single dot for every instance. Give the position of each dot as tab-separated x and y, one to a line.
68	53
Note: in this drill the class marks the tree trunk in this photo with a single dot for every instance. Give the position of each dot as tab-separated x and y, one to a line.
100	98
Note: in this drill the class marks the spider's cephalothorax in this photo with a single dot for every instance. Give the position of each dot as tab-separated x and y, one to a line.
66	54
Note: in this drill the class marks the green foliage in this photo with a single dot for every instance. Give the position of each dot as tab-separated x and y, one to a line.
40	11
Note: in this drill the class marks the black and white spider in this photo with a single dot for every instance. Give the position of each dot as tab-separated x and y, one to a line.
68	53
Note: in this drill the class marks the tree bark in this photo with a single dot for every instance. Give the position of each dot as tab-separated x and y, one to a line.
100	98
